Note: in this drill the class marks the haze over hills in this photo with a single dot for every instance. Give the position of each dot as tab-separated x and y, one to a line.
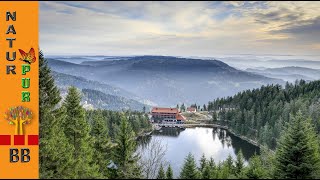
290	73
99	95
80	59
270	61
166	80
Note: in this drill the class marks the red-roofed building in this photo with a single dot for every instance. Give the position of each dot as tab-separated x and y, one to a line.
191	109
166	116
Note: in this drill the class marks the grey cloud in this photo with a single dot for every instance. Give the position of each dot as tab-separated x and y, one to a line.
306	26
283	14
305	31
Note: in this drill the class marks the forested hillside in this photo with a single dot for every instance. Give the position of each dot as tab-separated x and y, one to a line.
100	100
262	113
116	98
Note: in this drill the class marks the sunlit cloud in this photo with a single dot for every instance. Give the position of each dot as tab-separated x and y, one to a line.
179	28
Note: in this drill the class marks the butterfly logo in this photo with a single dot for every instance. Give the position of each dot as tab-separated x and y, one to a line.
28	57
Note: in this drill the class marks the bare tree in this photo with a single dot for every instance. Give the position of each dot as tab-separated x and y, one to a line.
153	157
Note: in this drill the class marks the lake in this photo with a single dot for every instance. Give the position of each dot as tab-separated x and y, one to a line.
212	142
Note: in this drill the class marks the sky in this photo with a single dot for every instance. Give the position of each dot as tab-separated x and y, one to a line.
180	28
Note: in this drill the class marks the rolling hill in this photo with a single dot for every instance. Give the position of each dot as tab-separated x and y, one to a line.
290	73
167	80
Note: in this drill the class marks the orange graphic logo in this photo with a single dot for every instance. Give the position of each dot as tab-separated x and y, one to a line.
28	57
18	116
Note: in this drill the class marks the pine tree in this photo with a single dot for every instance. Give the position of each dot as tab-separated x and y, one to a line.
212	164
55	152
229	164
255	169
239	163
297	155
189	169
214	116
102	143
77	130
161	173
204	107
206	173
124	152
203	162
169	173
224	172
183	108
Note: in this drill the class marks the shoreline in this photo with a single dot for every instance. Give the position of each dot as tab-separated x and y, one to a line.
217	126
229	130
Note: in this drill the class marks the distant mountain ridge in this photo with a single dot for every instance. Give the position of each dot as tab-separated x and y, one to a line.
289	73
167	80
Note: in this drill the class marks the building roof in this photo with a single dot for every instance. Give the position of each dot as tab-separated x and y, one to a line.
164	110
191	109
180	117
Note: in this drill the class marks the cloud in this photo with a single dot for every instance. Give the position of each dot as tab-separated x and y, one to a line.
178	28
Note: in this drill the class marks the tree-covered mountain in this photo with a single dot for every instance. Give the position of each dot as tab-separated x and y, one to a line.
99	95
167	80
99	100
65	80
261	114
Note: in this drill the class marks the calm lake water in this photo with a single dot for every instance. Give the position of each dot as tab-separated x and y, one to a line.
212	142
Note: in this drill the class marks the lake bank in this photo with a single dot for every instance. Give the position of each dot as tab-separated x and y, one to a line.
222	127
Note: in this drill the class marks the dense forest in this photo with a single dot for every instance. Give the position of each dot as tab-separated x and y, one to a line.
77	143
261	114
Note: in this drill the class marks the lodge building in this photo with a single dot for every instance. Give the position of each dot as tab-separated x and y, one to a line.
191	109
166	116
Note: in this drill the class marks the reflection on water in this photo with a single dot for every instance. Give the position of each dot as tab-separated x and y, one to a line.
213	142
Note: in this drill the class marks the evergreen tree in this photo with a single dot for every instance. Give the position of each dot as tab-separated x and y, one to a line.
102	143
124	152
224	172
55	151
297	156
214	116
239	164
77	130
212	163
169	173
189	169
161	173
203	162
229	164
204	107
206	173
255	169
183	108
